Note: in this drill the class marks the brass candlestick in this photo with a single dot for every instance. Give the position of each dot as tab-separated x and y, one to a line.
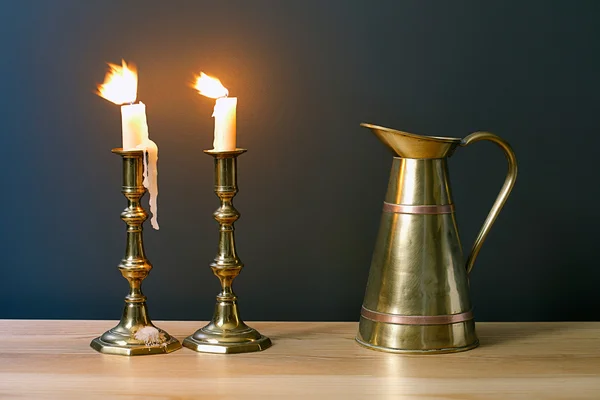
226	333
135	335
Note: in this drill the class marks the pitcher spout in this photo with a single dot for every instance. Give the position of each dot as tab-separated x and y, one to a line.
410	145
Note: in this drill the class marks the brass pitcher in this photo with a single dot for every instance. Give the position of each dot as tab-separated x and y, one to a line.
417	297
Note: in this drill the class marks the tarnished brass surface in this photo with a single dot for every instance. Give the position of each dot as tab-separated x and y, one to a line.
417	296
226	333
121	340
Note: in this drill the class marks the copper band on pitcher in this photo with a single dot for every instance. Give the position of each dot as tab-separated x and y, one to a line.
416	319
429	209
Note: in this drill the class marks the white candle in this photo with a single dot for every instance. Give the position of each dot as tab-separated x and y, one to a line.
120	87
225	124
135	126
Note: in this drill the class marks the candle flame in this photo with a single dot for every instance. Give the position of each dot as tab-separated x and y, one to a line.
120	84
210	87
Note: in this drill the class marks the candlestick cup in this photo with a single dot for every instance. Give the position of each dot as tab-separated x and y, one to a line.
135	334
226	333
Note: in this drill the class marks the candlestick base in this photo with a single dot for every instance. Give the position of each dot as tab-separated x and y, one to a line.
227	333
121	340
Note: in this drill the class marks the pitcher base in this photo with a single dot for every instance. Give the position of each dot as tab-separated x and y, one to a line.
409	351
418	339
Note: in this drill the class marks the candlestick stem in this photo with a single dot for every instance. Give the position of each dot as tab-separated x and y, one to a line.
226	333
135	334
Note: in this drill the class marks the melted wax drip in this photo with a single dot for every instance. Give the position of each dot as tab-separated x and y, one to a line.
151	177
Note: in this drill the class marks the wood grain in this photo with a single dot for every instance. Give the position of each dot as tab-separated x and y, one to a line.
52	359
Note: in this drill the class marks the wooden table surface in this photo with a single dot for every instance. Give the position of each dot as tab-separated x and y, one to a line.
313	360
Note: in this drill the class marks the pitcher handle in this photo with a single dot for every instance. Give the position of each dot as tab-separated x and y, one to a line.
509	182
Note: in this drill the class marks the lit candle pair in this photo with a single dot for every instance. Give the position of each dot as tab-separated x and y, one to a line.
120	87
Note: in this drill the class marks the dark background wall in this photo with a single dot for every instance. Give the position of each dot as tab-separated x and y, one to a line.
306	74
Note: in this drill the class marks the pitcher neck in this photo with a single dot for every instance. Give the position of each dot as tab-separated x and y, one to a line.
419	182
